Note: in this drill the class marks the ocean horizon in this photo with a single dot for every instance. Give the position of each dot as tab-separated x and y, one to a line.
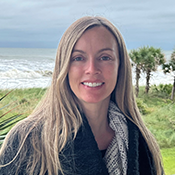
33	67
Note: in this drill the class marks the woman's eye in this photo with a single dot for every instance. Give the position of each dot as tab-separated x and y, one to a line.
105	58
77	59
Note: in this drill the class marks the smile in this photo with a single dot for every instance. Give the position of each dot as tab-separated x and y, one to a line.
92	84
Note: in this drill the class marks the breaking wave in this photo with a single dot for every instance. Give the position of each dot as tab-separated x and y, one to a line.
18	74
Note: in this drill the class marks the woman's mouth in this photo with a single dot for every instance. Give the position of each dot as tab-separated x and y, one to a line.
92	84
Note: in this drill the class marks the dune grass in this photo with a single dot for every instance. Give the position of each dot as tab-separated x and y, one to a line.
158	113
157	109
168	155
19	101
159	116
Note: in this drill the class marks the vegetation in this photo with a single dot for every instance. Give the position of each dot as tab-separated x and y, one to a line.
136	61
15	105
170	68
159	114
146	59
168	155
152	59
6	122
157	109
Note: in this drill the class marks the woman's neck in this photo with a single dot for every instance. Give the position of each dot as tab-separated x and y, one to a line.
97	116
96	113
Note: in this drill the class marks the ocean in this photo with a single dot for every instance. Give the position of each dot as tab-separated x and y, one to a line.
28	68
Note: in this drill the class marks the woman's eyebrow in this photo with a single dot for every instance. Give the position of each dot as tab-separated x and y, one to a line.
101	50
106	49
81	51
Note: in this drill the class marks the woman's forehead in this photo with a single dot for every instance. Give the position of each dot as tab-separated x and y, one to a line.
99	36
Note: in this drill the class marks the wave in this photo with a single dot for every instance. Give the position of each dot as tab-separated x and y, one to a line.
18	74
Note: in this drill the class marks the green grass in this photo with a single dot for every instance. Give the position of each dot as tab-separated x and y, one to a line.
159	116
157	109
158	113
22	101
169	160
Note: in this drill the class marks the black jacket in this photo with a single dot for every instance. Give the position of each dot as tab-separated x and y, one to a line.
87	159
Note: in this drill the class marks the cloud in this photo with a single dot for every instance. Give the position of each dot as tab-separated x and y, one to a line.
140	22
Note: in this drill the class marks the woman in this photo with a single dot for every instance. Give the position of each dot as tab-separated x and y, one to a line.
88	122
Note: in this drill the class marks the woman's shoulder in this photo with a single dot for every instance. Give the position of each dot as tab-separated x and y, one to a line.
22	130
17	145
20	135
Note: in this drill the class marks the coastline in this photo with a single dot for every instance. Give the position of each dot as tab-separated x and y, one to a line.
27	68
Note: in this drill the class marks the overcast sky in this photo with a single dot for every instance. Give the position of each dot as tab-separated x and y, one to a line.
41	23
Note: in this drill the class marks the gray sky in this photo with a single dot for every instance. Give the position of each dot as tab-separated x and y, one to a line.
41	23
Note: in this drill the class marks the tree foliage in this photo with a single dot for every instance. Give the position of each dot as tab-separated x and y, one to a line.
152	58
136	61
170	68
146	59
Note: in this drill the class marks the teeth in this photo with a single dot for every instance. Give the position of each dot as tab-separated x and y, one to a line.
92	84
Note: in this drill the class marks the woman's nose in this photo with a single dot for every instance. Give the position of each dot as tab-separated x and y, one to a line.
92	67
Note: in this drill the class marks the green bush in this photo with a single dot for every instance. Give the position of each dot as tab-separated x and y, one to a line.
142	107
165	89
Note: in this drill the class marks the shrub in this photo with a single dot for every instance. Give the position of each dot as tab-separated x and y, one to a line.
142	107
163	89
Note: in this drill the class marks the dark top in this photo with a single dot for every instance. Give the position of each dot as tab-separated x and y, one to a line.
103	152
87	159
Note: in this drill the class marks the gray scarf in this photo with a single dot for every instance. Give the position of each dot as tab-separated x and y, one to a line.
116	154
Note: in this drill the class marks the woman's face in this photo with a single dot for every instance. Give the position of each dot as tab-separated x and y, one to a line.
94	66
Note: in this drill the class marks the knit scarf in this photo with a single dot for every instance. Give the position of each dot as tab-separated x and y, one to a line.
116	153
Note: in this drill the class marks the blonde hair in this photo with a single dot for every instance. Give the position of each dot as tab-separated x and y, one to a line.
58	116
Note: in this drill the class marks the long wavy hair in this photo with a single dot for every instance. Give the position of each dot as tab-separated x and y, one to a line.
58	116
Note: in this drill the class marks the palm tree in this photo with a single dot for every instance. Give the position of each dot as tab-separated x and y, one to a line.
136	58
168	68
151	59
